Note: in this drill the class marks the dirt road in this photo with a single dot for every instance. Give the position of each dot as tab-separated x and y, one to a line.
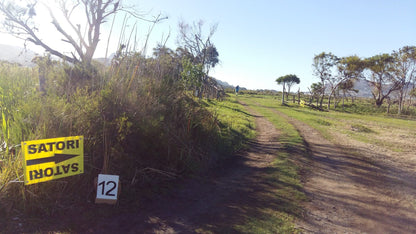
224	199
356	188
352	188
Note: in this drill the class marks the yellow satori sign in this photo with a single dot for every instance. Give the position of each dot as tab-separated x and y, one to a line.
54	158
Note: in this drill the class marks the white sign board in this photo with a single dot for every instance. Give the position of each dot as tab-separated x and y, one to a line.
107	189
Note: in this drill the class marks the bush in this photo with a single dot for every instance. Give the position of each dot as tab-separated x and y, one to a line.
136	119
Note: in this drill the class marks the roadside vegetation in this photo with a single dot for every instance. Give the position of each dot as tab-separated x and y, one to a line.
153	134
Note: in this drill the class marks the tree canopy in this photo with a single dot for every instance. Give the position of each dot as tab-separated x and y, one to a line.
289	81
322	68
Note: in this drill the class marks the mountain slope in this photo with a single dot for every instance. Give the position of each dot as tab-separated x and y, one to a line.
15	54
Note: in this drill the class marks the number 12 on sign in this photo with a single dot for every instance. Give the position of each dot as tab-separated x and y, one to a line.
107	189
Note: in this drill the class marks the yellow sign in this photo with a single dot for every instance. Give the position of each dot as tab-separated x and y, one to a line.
302	103
51	159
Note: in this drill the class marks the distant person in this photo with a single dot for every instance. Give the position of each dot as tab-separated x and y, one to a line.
237	88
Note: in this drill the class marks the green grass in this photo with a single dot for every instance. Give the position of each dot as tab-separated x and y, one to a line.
368	127
235	123
361	128
284	177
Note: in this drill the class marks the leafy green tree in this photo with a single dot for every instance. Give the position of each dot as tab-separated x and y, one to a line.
198	48
292	80
346	87
404	71
289	81
192	75
349	69
315	90
322	68
381	77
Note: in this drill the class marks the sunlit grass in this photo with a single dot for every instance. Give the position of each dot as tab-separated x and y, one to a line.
284	175
235	123
373	128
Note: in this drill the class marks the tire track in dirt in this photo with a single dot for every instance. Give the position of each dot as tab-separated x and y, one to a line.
349	192
216	203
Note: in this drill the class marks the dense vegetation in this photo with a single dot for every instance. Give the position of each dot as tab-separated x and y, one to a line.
137	116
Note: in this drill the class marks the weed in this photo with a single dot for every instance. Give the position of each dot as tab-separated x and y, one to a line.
323	122
361	128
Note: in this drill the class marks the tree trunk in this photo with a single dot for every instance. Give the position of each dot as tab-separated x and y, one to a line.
379	102
283	94
343	98
401	97
329	101
42	79
388	107
322	100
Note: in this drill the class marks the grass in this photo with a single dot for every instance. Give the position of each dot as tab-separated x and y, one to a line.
235	123
283	176
368	127
361	128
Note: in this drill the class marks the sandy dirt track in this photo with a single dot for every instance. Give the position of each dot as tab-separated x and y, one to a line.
355	188
218	202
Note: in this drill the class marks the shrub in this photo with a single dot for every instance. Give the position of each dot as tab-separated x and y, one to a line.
136	118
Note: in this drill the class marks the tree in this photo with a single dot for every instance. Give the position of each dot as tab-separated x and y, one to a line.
322	68
404	71
291	80
198	47
20	21
288	80
315	90
192	39
349	70
281	81
346	86
380	76
192	75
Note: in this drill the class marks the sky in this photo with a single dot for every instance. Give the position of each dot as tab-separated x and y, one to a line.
259	41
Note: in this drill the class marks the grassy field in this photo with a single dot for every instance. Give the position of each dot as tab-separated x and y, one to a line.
391	132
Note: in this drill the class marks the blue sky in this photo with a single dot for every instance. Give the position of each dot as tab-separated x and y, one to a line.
261	40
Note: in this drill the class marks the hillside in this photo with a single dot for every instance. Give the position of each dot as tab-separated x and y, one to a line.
15	54
364	90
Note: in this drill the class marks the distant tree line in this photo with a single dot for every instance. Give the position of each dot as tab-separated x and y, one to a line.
387	75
